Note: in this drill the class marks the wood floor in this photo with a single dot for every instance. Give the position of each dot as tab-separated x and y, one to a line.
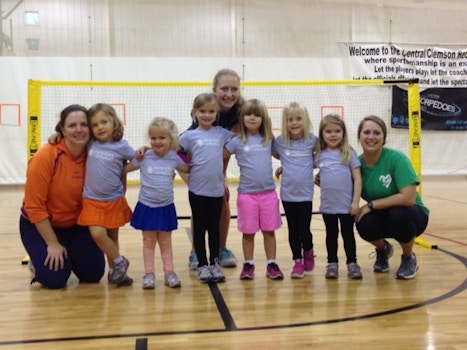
378	312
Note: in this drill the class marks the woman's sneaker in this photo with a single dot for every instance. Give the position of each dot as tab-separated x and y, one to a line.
408	269
382	257
332	271
193	261
248	272
298	270
171	279
149	281
227	258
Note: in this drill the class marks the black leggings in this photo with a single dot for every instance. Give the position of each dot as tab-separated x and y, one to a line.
298	216
332	234
206	214
401	223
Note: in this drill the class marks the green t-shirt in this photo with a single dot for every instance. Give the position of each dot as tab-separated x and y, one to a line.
392	172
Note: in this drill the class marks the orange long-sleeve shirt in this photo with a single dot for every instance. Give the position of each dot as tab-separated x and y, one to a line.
54	186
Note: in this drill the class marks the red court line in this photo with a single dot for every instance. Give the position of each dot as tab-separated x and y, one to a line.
445	239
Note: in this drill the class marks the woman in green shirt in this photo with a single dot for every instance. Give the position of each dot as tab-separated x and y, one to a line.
394	208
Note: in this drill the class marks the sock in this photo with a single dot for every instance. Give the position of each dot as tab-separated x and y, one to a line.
251	262
271	261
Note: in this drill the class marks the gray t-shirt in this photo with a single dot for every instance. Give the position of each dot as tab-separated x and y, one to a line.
157	176
297	184
255	162
104	167
207	164
336	181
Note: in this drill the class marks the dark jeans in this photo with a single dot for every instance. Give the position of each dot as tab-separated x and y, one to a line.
401	223
85	258
206	214
298	216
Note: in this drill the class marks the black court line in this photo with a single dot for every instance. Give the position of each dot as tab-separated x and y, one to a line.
231	327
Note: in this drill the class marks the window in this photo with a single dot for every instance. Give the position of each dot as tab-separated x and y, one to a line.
32	44
32	18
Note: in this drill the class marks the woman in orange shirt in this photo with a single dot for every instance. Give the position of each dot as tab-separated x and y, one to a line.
52	203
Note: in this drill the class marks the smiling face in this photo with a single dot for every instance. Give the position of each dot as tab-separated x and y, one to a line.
227	91
75	129
371	136
160	141
295	126
102	127
206	115
333	134
252	123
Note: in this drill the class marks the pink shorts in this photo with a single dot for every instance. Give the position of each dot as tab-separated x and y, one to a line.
259	211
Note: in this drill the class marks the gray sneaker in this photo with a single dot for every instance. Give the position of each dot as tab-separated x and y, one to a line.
149	281
204	274
382	257
353	271
332	271
408	268
171	279
217	273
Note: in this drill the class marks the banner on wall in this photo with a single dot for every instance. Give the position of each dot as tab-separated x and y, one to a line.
433	66
441	109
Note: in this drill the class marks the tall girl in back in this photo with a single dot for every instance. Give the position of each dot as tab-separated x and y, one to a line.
295	147
257	200
341	187
105	208
155	212
206	183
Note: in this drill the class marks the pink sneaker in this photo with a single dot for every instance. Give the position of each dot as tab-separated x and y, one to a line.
248	272
309	258
298	270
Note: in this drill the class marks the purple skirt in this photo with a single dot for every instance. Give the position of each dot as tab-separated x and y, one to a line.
154	219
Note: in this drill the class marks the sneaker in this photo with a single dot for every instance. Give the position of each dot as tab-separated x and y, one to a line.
204	274
193	261
248	272
171	279
332	271
119	271
309	259
127	281
298	270
227	258
149	281
274	272
353	271
382	257
408	268
217	273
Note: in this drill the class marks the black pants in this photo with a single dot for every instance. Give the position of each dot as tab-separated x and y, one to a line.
298	216
401	223
332	234
206	214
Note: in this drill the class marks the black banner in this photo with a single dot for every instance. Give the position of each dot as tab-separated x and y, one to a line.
441	109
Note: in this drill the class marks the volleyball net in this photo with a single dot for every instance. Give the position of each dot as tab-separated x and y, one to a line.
137	103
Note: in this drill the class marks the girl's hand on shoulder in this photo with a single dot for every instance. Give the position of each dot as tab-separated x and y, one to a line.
54	138
140	152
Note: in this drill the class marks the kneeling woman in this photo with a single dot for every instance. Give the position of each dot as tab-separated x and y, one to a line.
394	208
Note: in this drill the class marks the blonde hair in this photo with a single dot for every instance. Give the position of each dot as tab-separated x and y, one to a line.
167	126
117	134
344	147
228	72
258	108
291	110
